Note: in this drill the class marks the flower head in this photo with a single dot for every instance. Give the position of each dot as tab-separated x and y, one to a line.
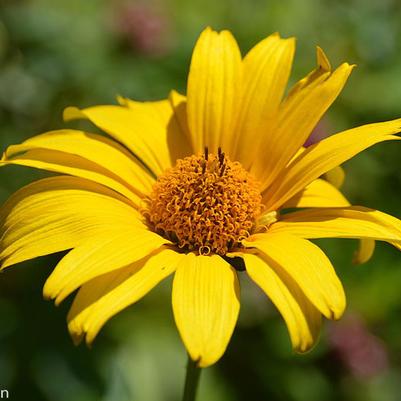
205	203
188	185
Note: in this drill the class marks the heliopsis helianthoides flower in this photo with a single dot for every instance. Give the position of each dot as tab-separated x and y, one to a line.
198	186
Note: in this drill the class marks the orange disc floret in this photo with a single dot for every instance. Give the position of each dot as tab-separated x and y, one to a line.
205	203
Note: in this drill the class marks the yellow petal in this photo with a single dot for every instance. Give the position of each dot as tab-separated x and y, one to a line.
303	320
322	194
205	305
318	193
266	69
364	252
94	148
335	176
59	213
315	77
179	105
213	91
146	129
64	163
103	297
99	255
168	114
307	265
346	222
323	156
298	115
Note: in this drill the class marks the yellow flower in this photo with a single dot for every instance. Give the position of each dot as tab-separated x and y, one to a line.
196	186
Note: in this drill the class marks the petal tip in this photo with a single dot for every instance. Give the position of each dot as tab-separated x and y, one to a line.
322	59
348	67
305	347
122	101
206	32
72	113
76	338
337	311
48	292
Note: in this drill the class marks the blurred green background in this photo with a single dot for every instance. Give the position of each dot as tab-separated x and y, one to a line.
69	52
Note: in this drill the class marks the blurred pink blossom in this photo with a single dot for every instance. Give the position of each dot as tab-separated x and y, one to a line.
145	26
361	352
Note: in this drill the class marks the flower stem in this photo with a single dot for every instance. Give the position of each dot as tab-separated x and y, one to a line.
191	380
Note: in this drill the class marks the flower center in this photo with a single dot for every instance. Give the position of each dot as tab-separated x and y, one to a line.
205	203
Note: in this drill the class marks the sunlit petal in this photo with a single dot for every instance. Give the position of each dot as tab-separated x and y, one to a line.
323	156
213	91
307	265
343	222
206	306
303	320
92	147
103	297
146	129
97	256
318	193
59	213
266	70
